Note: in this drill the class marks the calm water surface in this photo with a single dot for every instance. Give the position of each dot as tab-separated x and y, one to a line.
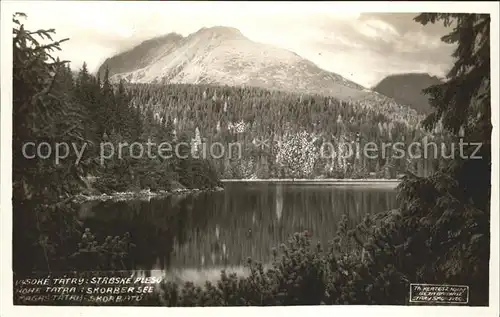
193	237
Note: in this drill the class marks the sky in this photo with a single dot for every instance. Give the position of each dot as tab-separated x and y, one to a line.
363	47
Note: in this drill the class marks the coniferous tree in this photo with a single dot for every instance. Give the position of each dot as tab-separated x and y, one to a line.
109	104
443	220
43	111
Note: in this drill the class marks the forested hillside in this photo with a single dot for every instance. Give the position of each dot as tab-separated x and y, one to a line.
238	132
285	135
247	132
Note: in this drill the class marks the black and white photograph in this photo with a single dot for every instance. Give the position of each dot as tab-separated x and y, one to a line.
213	154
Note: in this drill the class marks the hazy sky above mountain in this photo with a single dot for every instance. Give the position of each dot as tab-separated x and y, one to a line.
362	47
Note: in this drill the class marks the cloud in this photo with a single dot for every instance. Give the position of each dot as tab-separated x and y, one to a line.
372	46
363	47
378	29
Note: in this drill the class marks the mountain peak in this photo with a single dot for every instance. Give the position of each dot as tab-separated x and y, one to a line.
162	39
224	56
219	30
414	75
407	89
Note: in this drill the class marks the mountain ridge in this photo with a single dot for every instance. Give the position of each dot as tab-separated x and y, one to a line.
224	56
407	89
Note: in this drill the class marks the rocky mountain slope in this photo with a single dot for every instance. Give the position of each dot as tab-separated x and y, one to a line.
224	56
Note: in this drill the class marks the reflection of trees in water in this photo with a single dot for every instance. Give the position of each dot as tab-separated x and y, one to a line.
42	238
279	202
224	228
251	225
154	226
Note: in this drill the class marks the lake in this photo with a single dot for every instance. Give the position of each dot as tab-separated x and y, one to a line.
192	237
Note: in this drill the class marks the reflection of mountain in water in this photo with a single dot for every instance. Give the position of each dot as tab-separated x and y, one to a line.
221	229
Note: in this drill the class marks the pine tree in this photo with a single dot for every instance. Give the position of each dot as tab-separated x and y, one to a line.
109	103
471	73
170	129
39	106
42	111
121	111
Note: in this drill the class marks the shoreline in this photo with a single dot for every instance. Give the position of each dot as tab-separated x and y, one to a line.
315	181
147	194
141	195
